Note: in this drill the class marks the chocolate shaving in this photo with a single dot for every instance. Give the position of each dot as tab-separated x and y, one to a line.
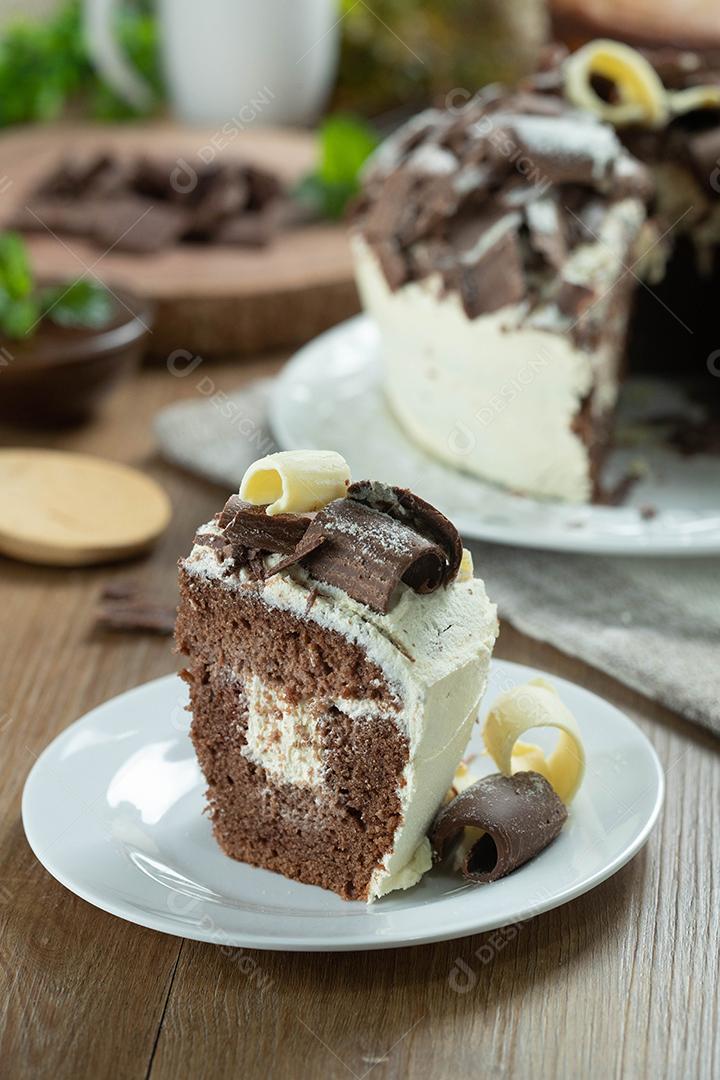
251	527
392	263
409	509
573	299
547	231
496	280
367	554
435	206
229	510
144	204
125	606
619	492
561	148
519	816
255	229
365	544
133	223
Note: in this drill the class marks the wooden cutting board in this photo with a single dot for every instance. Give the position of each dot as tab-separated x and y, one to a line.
63	509
209	300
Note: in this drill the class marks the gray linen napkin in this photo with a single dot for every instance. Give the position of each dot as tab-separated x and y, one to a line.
654	624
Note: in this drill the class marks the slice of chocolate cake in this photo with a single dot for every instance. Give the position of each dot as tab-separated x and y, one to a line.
338	648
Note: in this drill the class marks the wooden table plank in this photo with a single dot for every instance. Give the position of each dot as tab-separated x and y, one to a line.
621	982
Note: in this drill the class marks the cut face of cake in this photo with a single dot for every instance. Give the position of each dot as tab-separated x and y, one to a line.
336	658
499	248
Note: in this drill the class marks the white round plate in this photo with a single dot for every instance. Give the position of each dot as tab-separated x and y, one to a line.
330	397
113	808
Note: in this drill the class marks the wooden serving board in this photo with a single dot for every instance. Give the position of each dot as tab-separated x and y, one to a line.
63	509
210	300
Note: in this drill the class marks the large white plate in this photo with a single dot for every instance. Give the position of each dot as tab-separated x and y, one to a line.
113	808
329	396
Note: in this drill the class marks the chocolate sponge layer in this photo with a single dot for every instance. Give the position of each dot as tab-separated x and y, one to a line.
334	835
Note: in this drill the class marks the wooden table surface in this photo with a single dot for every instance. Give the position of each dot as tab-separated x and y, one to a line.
621	982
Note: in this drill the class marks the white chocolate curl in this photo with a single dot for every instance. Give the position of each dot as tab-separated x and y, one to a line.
466	571
642	98
462	779
296	481
695	97
534	705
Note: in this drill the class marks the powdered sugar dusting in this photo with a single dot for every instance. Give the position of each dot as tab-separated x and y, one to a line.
565	137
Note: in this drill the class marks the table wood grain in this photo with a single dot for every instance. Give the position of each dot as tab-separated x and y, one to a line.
619	983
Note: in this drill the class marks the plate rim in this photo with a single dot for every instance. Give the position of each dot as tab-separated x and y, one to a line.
575	541
460	928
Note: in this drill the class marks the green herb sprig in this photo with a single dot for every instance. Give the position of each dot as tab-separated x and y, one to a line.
24	305
345	143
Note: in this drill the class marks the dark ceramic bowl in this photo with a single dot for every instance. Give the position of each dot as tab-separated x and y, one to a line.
61	374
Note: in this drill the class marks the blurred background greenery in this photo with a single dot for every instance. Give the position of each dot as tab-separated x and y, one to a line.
410	52
45	70
396	54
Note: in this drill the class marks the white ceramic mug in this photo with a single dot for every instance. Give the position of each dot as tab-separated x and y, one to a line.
277	58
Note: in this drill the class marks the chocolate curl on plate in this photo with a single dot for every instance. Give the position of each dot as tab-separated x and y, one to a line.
250	527
367	554
518	816
410	510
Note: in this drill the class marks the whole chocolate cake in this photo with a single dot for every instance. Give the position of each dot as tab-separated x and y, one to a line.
337	650
515	250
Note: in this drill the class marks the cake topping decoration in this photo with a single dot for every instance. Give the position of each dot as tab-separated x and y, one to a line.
250	527
466	570
694	97
534	180
536	704
504	821
295	481
636	84
641	96
408	508
367	554
367	541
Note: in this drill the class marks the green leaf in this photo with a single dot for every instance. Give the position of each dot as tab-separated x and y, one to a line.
17	317
345	145
82	304
15	273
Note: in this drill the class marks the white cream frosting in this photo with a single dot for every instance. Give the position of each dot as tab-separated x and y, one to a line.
280	737
497	395
434	652
283	738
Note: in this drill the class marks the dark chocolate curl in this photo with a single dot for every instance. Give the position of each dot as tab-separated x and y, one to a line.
519	815
251	527
409	509
367	554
